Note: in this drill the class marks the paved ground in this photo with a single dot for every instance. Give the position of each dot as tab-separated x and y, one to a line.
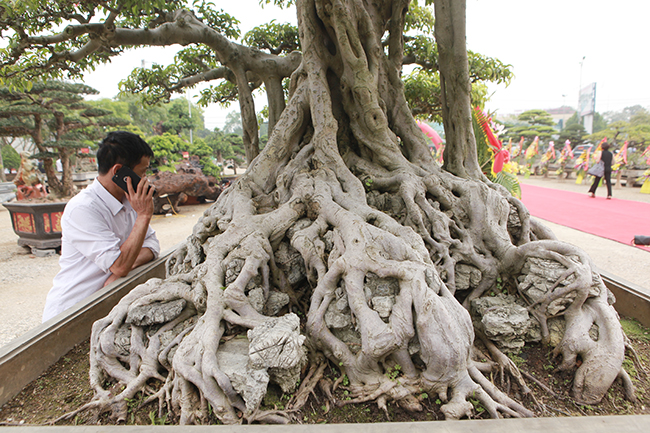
25	279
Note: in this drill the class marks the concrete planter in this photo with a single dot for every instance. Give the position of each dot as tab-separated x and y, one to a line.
37	225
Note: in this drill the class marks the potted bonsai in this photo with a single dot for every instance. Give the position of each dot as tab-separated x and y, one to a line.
60	124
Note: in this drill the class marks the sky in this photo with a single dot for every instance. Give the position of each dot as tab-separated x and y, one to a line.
555	48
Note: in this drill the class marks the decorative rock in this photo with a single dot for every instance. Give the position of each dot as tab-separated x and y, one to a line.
146	315
250	383
276	302
289	378
276	343
123	340
336	319
502	320
291	262
540	275
383	305
256	299
273	349
467	276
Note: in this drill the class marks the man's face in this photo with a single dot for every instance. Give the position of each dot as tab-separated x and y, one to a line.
143	165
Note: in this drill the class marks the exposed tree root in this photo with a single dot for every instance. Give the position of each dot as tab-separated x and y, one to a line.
355	229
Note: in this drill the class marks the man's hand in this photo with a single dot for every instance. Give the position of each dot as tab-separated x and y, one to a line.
141	199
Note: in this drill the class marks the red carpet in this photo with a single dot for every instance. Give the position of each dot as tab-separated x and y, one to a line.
614	219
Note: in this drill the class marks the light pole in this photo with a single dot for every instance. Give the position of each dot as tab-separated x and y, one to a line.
580	89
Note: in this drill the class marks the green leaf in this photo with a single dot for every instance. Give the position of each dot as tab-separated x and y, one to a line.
510	182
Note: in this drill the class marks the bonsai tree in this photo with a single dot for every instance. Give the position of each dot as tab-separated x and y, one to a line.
9	158
54	115
167	150
344	243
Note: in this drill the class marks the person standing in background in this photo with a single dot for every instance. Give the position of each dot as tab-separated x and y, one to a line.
606	157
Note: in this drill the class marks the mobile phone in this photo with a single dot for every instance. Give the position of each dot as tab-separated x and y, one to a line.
122	174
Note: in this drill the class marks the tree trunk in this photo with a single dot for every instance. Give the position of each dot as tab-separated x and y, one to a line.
3	178
49	166
346	218
460	156
67	186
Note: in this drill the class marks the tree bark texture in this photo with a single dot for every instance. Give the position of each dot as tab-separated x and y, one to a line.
345	214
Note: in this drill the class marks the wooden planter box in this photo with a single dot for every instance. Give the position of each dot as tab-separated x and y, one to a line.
37	225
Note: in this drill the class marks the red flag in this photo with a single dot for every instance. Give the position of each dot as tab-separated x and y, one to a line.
483	121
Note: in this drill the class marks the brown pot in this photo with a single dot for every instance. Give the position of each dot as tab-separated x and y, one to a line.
37	225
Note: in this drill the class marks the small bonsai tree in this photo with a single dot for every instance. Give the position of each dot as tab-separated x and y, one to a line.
9	158
59	122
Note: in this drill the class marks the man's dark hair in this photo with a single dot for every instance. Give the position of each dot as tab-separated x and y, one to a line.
605	146
121	147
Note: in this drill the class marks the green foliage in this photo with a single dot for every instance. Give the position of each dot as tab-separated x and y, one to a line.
482	146
144	117
44	39
178	117
155	420
273	37
224	93
574	132
599	122
510	182
507	180
233	123
536	117
10	157
217	19
530	124
478	407
422	91
419	18
394	372
201	149
225	146
518	360
625	115
632	124
167	149
422	84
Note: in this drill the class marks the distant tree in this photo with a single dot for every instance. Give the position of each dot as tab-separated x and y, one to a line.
599	122
148	118
179	120
574	132
9	157
624	115
167	150
233	123
205	154
636	131
59	122
530	124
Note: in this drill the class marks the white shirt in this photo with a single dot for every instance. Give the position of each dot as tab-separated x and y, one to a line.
94	226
